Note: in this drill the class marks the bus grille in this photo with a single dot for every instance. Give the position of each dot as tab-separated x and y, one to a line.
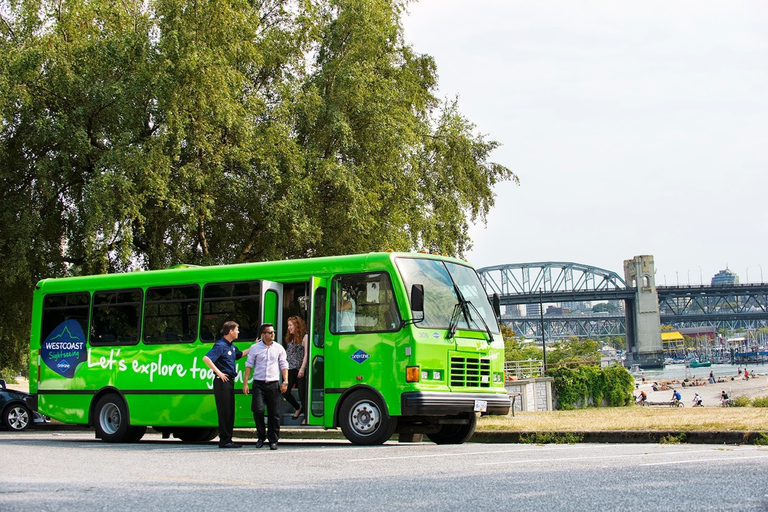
470	372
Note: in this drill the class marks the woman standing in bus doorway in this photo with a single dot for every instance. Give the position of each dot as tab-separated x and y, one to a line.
296	352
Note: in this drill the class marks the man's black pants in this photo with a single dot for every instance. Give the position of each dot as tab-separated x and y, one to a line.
266	395
225	406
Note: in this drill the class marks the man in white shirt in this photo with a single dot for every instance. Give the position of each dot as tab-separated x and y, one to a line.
268	362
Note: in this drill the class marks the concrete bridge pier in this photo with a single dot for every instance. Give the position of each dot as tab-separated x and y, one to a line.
644	346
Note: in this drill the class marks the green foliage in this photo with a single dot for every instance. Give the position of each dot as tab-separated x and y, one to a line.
585	385
605	307
551	438
516	350
574	350
8	375
762	439
674	439
146	134
761	401
741	401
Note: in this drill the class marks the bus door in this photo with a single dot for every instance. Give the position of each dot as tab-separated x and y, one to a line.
316	328
271	306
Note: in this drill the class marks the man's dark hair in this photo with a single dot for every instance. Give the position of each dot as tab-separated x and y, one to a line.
228	327
264	328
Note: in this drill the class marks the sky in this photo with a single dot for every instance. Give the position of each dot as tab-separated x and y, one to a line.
634	127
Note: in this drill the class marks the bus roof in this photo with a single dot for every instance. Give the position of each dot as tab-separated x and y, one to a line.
272	270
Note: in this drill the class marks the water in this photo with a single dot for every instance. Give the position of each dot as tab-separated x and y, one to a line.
679	371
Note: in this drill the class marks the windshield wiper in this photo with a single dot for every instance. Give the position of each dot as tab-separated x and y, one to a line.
462	307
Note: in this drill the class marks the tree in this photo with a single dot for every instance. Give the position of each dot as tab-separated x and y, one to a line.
142	134
574	350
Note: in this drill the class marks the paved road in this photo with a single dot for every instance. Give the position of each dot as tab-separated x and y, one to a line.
72	471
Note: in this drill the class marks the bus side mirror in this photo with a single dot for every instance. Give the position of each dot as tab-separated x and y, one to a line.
417	302
496	305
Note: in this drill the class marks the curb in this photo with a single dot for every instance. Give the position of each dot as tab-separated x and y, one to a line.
734	437
624	436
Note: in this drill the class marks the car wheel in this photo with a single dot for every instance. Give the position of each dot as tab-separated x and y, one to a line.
112	423
364	419
17	417
455	433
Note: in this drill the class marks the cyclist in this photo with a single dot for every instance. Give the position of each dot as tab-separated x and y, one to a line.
676	397
697	401
642	398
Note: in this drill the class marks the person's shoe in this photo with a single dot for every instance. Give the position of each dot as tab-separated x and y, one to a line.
273	446
259	443
297	414
230	445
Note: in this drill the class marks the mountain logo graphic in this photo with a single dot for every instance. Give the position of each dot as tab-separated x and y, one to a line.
64	348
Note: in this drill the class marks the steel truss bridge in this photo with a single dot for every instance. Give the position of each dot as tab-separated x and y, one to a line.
735	307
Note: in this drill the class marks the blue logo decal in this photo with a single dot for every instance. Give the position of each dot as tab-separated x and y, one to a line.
360	356
64	348
435	335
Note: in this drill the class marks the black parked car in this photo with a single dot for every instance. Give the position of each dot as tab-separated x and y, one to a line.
14	412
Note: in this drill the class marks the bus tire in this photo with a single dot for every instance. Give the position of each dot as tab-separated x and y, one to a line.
364	419
112	423
455	434
195	434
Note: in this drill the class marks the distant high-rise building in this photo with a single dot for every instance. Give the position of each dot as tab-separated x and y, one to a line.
725	277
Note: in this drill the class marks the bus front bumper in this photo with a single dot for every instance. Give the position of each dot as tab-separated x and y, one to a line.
419	403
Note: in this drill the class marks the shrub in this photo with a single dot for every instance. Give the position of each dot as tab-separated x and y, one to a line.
586	385
551	438
761	401
741	401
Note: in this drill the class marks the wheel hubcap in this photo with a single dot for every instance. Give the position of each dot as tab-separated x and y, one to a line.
18	418
365	417
109	418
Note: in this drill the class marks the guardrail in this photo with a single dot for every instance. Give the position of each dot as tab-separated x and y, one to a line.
517	370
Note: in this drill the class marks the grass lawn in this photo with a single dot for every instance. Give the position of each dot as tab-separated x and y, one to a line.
632	418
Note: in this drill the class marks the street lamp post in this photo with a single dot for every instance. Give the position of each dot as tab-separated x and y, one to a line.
543	342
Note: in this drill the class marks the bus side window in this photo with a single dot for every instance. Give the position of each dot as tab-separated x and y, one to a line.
363	303
115	317
318	318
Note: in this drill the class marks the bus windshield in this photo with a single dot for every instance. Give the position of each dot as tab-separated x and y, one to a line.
441	280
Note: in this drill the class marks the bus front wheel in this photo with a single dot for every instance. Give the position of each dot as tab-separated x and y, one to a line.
112	424
457	433
364	419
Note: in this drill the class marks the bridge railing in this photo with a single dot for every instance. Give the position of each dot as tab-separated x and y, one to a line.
530	369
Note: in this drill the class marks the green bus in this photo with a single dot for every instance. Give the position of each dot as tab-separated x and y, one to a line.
420	351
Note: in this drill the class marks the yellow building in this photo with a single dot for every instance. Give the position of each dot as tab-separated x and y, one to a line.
672	342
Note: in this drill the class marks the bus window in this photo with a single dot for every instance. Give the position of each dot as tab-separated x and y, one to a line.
318	318
231	301
115	317
58	309
363	303
171	314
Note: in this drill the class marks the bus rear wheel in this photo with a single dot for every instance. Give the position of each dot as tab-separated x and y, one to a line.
364	419
195	434
455	433
111	421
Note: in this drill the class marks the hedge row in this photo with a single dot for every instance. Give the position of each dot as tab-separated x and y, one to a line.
584	386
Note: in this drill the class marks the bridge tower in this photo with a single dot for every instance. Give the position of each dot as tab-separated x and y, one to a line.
644	346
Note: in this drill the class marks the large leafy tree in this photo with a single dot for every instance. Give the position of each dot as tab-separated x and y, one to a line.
145	133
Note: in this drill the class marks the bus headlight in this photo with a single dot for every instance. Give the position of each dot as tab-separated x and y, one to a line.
412	374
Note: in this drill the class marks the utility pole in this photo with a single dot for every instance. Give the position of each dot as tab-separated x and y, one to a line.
543	342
